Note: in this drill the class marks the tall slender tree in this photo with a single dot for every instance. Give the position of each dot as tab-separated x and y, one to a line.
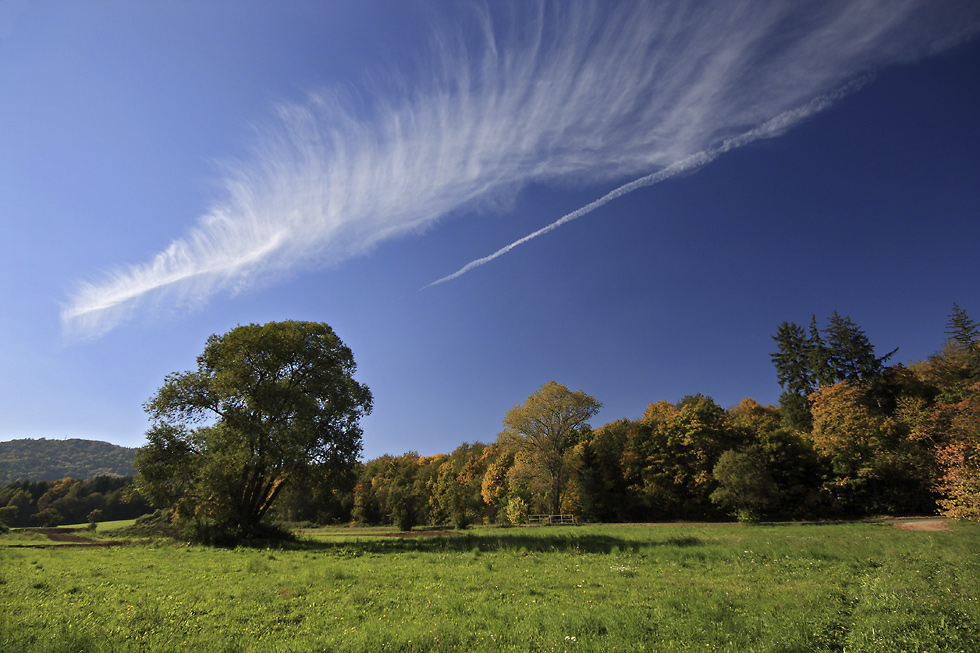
961	329
547	426
797	363
819	357
793	361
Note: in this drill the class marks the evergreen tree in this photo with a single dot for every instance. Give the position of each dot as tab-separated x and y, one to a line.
850	355
807	362
961	329
819	358
794	362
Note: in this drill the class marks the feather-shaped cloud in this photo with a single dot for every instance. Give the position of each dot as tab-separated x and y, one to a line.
553	93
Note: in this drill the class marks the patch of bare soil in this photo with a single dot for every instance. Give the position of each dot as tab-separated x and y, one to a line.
65	537
419	533
932	524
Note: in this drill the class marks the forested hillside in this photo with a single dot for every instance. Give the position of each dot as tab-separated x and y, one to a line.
51	460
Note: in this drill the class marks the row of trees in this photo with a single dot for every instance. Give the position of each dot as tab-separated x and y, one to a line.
851	436
70	501
692	459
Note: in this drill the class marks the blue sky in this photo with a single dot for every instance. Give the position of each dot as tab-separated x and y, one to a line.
172	170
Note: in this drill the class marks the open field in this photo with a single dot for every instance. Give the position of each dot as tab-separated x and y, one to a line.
835	587
108	525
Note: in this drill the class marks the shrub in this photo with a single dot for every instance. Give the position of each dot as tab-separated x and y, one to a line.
403	508
745	487
405	518
49	517
517	510
8	515
96	516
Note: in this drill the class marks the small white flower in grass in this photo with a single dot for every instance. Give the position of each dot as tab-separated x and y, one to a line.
625	571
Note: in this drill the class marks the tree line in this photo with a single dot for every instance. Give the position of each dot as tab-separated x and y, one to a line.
851	436
70	501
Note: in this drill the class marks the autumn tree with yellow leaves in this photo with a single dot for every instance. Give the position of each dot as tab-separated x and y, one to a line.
546	427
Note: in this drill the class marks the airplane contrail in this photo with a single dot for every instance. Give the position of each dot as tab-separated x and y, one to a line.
501	96
771	128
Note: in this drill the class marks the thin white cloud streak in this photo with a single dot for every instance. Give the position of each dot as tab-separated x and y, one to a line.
551	94
771	128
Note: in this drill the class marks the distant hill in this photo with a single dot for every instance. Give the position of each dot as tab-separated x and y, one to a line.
51	460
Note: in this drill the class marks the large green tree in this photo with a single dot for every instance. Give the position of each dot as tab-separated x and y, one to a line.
745	486
669	456
547	427
273	400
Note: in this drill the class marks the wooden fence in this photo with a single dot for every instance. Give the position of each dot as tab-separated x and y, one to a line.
550	519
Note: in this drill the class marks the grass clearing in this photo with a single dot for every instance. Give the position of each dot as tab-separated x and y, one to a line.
853	587
106	525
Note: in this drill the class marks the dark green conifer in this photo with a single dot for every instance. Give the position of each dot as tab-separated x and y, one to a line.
961	329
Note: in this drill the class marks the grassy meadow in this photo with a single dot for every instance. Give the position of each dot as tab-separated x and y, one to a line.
833	587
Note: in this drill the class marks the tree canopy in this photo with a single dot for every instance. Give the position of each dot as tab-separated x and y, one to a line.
877	440
545	426
806	361
272	401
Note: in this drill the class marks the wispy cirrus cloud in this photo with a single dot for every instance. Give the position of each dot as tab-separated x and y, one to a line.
553	93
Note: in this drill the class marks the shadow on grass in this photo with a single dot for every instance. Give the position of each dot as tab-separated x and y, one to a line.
554	540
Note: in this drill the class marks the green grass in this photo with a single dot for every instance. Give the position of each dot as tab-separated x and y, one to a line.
842	587
105	525
20	538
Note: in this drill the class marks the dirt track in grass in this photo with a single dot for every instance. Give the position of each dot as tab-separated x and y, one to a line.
933	524
63	537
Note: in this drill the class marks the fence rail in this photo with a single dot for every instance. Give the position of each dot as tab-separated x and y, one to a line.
551	519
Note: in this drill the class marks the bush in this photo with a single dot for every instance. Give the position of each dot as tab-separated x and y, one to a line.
96	516
517	510
47	518
745	487
403	508
405	518
8	515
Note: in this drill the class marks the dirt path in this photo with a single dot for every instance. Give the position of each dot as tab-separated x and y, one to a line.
932	524
414	534
64	536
